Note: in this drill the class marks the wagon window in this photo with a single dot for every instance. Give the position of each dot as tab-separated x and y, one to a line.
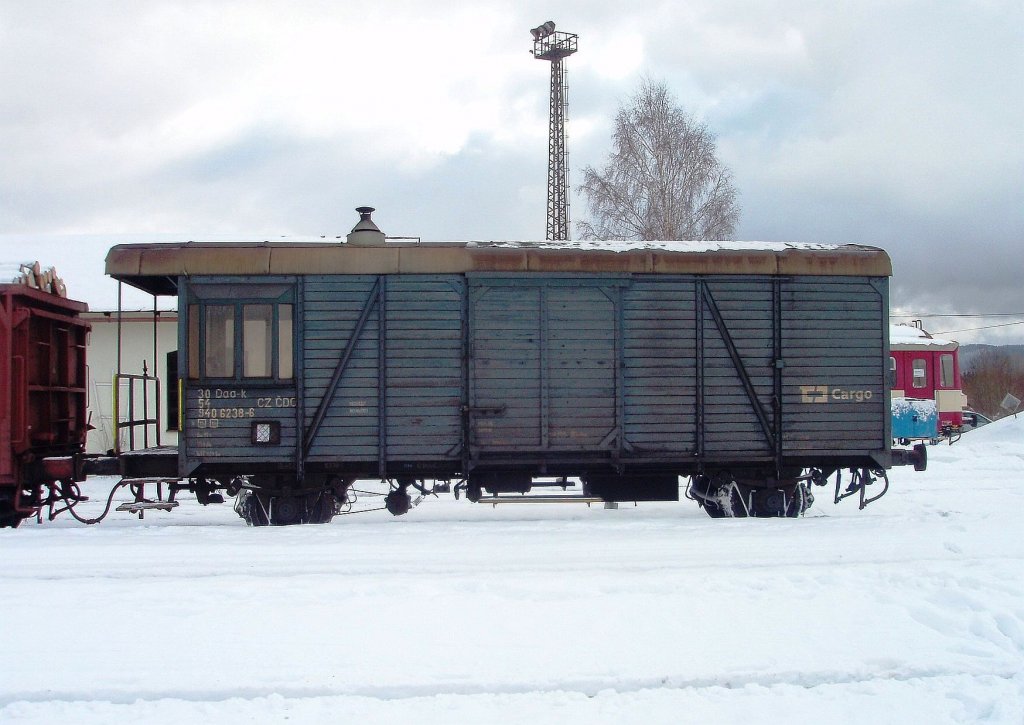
892	372
193	341
284	341
946	370
920	368
249	337
220	341
257	340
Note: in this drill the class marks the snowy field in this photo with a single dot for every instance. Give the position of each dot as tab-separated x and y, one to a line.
909	611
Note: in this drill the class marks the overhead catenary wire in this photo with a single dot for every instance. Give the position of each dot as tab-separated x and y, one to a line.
986	327
979	314
964	315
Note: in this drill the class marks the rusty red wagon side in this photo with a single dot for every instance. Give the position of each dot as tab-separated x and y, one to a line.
43	392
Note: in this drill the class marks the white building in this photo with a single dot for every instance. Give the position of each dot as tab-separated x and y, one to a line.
137	356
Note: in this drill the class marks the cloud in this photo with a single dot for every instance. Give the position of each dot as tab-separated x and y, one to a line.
894	123
117	98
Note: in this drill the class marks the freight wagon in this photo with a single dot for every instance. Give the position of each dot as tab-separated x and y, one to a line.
42	386
750	369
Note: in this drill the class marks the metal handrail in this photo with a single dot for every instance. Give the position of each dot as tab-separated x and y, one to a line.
131	423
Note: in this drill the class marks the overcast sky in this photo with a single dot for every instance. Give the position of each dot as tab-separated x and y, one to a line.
898	124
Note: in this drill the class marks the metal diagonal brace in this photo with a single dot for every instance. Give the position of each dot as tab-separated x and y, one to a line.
737	362
339	370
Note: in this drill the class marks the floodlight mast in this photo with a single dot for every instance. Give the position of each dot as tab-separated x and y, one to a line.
555	47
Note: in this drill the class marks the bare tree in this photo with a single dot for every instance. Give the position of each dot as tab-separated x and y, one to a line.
662	179
993	374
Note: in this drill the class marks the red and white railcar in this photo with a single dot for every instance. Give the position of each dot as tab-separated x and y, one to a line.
923	367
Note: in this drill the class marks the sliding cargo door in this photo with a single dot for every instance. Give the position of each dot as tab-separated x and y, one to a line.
542	365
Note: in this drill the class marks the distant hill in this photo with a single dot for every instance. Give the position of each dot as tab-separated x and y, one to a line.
970	353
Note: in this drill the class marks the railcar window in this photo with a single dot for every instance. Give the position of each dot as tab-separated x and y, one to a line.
193	341
946	370
920	373
284	341
220	341
892	372
243	339
257	340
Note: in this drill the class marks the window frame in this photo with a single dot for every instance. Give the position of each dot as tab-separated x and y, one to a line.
944	358
265	357
212	295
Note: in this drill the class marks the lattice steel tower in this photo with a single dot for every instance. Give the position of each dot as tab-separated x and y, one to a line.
555	47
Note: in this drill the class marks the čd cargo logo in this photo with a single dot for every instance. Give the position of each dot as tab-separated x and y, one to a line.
823	394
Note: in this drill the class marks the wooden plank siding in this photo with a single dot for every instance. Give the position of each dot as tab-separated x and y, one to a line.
422	367
453	371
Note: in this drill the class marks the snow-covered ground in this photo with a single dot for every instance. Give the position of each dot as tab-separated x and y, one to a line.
909	611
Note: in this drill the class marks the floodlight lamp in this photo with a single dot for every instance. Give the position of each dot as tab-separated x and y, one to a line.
543	31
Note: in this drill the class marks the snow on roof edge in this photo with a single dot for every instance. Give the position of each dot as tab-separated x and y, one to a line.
904	334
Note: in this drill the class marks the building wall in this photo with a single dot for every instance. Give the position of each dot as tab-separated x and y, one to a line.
136	351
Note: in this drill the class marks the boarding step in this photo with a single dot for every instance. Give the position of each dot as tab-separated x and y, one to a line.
135	507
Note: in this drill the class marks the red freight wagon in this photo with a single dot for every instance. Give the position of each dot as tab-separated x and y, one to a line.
42	390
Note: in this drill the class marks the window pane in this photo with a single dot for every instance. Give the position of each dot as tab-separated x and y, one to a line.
892	372
284	341
920	373
220	341
257	323
193	341
946	366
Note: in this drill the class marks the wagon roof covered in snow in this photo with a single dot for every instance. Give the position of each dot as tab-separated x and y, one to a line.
908	337
155	267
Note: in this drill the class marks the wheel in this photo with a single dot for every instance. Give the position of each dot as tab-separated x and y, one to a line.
321	509
788	501
250	508
799	501
781	502
9	518
720	497
317	508
286	510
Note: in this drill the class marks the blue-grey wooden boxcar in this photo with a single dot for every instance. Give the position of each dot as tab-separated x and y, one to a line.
753	369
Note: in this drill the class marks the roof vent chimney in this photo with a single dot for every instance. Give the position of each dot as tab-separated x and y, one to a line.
365	233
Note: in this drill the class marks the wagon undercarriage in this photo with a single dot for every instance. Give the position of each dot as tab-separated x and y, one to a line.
279	499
